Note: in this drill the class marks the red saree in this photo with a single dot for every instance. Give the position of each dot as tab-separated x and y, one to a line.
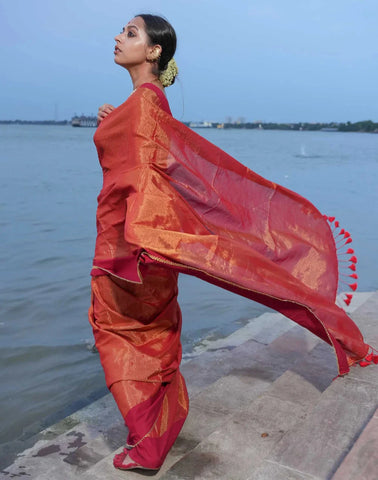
172	199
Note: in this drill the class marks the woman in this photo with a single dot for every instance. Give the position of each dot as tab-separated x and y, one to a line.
172	202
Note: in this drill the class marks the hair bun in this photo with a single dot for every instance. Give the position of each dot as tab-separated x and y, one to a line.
167	77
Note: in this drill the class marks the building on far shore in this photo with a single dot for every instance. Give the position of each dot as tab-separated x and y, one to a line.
84	121
200	125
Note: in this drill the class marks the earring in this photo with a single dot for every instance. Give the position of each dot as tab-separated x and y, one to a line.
154	57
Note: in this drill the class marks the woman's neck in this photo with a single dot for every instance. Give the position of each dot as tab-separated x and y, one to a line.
140	77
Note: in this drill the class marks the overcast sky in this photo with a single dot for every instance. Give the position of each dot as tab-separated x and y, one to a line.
269	60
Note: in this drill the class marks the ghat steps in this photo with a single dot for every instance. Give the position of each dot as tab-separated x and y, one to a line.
263	406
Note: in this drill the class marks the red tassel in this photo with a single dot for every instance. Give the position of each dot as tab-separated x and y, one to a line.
369	359
348	252
364	364
343	238
348	298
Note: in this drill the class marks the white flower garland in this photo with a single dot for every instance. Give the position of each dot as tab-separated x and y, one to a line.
169	74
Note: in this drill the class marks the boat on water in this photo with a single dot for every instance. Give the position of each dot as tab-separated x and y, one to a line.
84	121
200	125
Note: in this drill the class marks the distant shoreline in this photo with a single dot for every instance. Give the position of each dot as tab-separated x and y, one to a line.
366	126
35	122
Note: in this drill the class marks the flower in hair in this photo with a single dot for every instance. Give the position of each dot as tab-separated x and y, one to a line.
167	77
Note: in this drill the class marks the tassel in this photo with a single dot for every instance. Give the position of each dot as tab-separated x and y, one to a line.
352	275
343	238
364	364
338	242
369	359
350	251
348	298
349	239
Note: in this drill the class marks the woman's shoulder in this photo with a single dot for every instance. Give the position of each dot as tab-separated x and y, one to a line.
156	95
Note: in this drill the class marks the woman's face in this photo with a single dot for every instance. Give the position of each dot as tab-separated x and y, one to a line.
132	46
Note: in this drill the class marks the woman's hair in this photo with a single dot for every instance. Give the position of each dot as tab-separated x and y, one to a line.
160	32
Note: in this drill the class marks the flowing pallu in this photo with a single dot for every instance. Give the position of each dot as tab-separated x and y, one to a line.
172	199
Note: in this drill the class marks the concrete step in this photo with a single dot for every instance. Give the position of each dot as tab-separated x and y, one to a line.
362	461
318	445
284	432
241	442
54	453
231	379
240	376
84	438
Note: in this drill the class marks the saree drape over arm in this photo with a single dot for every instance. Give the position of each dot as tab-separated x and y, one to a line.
171	198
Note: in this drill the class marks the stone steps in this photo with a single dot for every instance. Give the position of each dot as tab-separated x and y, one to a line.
241	443
54	453
318	445
85	437
362	461
222	383
265	408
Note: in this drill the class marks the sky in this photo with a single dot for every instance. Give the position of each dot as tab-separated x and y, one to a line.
257	60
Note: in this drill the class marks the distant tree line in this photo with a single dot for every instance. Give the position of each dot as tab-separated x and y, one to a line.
363	126
34	122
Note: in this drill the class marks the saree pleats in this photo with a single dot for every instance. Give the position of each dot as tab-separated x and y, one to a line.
137	332
154	423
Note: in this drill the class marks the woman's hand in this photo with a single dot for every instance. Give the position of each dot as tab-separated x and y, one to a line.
103	112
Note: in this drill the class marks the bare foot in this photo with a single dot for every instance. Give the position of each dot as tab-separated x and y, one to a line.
123	461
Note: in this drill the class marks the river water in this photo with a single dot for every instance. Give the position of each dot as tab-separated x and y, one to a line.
49	181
